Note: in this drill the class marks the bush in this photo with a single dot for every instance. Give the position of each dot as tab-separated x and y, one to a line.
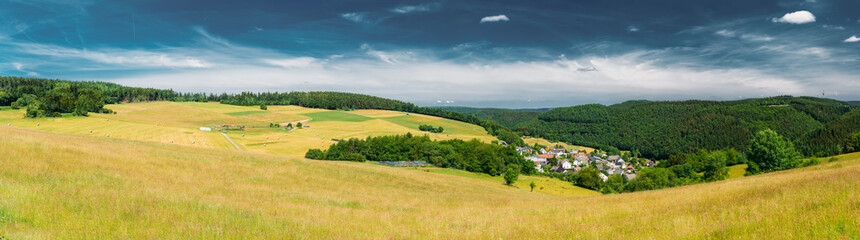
315	154
588	178
810	162
772	152
510	176
263	107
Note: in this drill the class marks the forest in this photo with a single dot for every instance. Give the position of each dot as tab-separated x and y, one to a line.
473	155
505	117
819	127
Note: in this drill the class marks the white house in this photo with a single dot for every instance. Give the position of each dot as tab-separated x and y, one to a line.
603	176
537	159
565	164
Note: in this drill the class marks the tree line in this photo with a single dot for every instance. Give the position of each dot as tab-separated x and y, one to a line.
472	155
430	128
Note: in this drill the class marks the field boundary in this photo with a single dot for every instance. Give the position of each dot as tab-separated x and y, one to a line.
231	141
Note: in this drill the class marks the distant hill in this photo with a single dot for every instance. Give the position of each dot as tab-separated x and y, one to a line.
506	117
660	129
853	103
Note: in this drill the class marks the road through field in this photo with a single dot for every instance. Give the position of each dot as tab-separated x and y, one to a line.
231	141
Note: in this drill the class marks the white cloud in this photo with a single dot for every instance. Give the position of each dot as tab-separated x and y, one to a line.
757	37
20	68
427	7
299	62
632	28
388	57
852	39
355	17
834	27
799	17
497	18
726	33
130	58
745	36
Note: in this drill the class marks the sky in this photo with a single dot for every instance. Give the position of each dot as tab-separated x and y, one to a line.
504	53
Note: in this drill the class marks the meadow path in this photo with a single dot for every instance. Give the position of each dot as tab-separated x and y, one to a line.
231	141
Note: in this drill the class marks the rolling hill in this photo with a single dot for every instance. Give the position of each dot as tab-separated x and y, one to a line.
179	123
68	186
660	129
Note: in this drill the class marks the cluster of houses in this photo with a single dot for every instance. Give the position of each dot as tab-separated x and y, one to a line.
574	161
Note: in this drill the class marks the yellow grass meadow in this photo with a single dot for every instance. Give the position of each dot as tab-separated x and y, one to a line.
68	186
179	123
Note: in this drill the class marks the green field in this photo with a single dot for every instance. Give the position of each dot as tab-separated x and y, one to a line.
338	116
244	113
69	186
737	171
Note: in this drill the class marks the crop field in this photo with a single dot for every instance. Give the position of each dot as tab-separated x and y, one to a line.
68	186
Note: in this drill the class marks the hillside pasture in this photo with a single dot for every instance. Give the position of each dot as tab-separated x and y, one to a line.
100	126
63	186
181	122
541	141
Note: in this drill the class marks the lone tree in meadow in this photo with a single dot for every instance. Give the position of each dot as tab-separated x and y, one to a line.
532	185
299	125
771	152
510	176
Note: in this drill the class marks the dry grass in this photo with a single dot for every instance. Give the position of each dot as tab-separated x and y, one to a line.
59	186
137	121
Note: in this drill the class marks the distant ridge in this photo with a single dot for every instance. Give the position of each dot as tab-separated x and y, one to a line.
659	129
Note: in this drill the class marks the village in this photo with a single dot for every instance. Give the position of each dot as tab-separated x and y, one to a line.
563	161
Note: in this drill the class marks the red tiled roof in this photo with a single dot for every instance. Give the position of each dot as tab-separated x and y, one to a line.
546	155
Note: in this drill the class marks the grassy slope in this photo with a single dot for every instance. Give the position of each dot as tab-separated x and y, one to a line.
181	121
737	171
541	141
58	186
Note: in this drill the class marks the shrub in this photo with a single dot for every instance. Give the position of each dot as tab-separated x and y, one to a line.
772	152
510	176
315	154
